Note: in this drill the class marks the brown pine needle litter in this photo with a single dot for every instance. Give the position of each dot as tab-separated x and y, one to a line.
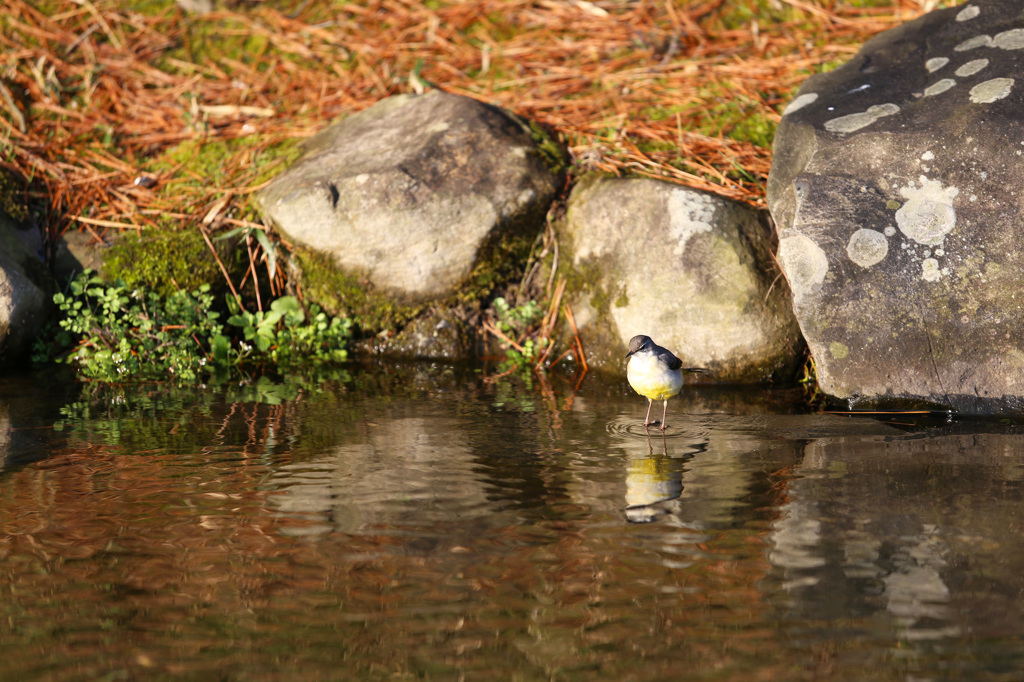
92	94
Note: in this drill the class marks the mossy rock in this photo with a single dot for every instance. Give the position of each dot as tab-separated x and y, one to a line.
163	260
347	295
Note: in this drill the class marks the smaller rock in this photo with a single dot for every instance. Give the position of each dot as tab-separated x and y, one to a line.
74	252
688	268
435	336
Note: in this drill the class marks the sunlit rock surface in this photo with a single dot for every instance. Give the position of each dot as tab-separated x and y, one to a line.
687	268
896	189
409	194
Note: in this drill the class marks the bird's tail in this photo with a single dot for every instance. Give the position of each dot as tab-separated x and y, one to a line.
697	370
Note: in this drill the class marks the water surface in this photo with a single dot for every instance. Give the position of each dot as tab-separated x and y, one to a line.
424	521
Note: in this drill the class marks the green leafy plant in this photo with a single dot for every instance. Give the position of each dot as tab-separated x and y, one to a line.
525	357
514	322
516	319
118	334
284	337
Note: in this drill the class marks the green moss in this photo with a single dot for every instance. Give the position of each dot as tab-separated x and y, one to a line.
207	162
551	150
719	110
661	113
738	14
153	8
344	295
756	128
163	260
12	198
825	67
208	39
198	165
498	263
583	278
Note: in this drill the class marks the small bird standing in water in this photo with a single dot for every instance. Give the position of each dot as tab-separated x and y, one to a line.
655	373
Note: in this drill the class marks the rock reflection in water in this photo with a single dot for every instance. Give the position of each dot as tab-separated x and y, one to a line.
886	524
409	468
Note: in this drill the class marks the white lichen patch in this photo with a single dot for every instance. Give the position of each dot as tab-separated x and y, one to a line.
800	102
804	263
930	271
967	13
1010	40
688	214
939	87
991	90
852	122
928	216
974	43
889	230
928	156
936	63
867	247
972	67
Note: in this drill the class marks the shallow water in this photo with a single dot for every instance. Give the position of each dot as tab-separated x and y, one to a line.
427	522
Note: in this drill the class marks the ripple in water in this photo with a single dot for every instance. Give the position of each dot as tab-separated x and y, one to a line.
688	427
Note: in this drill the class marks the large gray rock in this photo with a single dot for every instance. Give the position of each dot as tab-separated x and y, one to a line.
26	288
896	189
410	194
689	269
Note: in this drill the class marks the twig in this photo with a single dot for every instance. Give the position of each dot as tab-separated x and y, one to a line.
548	323
576	334
491	329
107	223
252	268
223	270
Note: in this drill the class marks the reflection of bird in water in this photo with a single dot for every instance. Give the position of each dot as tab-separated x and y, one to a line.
655	373
655	479
649	481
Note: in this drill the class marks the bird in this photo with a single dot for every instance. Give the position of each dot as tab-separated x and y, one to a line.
655	373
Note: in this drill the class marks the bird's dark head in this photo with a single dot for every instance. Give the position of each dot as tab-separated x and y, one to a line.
638	343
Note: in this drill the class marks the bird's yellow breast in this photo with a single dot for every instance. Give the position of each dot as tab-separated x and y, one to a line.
653	379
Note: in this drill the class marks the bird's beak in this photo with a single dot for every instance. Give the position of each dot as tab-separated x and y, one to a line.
628	354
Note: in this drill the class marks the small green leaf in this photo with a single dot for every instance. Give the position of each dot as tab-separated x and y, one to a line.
232	233
268	248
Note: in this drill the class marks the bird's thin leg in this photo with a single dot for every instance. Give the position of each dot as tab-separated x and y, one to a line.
647	419
664	415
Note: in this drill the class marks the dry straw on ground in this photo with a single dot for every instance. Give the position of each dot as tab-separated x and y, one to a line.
94	91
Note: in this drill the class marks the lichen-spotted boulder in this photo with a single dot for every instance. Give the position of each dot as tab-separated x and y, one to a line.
897	191
411	195
689	269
